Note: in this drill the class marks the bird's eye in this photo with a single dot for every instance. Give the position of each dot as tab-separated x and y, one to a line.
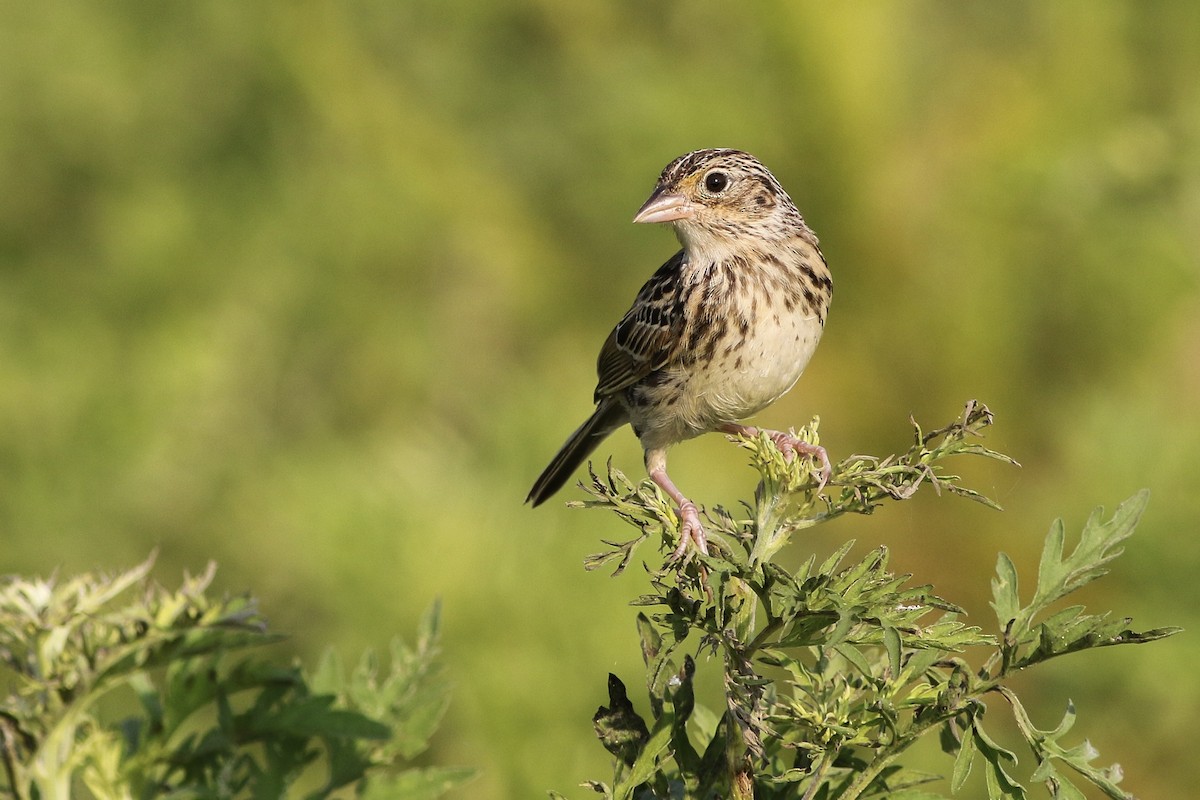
716	182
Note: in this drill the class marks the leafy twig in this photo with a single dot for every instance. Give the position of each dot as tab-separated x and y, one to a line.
833	671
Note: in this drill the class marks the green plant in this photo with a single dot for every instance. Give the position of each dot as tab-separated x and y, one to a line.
211	718
832	672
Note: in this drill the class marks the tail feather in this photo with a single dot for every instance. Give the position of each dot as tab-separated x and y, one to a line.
609	416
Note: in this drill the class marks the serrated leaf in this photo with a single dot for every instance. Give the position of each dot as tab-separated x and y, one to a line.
972	494
739	608
1070	630
1024	724
804	629
1059	786
949	635
806	569
1059	576
103	591
1046	747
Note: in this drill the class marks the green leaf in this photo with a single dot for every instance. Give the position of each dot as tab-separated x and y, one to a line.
917	663
427	783
651	640
330	675
963	761
1071	630
1067	630
1005	599
988	746
1097	547
891	644
739	607
830	564
856	658
316	716
430	627
1057	784
647	763
105	591
1050	567
683	702
999	783
1046	748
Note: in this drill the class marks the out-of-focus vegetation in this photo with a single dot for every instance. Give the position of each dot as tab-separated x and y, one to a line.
315	290
214	716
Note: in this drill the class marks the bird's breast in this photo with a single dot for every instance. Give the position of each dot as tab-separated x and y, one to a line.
736	369
750	326
757	364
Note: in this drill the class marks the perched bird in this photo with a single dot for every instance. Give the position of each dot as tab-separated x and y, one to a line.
721	331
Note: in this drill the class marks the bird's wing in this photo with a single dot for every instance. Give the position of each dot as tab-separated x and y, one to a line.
645	338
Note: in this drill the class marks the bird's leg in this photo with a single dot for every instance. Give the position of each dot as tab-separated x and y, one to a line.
789	445
690	529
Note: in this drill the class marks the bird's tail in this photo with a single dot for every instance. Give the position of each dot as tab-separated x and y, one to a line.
609	416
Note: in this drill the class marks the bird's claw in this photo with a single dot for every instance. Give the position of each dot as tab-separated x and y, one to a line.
789	445
690	530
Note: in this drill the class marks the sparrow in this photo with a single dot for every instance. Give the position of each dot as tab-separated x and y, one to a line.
723	329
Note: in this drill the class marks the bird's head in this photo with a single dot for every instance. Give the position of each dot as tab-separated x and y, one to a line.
715	199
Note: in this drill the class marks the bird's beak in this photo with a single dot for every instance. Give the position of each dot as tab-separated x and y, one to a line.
663	207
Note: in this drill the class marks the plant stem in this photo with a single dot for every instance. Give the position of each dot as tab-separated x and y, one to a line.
819	774
889	754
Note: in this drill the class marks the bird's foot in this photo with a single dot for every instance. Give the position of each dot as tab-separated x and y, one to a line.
690	530
790	444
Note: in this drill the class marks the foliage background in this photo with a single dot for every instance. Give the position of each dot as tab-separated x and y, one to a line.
315	290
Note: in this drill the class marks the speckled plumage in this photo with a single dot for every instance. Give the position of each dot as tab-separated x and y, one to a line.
723	329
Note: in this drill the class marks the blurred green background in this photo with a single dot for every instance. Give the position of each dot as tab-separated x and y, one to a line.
315	290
